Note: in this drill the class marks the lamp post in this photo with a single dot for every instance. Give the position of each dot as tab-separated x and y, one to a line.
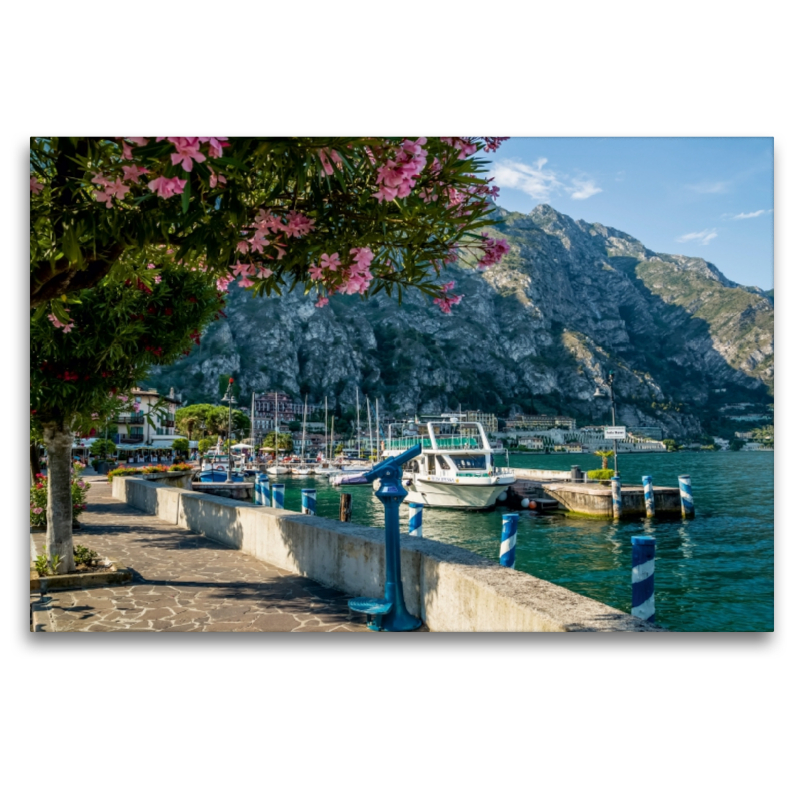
597	393
229	397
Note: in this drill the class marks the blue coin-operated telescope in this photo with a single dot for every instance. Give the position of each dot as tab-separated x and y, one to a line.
390	614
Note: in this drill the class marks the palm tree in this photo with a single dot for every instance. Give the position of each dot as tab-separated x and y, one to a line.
605	455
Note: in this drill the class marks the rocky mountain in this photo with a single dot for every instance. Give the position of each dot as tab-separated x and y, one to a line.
569	302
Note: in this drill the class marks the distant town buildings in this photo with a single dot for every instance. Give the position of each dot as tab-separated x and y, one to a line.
489	421
153	425
538	422
288	410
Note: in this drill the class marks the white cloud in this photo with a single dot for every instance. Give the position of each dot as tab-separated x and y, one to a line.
704	237
542	184
584	189
751	214
711	187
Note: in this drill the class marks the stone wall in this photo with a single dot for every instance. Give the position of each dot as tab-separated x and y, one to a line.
451	588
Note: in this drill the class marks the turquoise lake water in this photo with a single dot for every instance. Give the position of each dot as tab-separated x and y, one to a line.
713	573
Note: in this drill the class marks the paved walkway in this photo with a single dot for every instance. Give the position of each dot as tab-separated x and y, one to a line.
184	582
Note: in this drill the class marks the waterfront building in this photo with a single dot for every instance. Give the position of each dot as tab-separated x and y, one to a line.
153	425
534	422
289	410
647	432
489	421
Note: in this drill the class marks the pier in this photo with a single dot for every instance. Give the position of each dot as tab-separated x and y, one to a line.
542	487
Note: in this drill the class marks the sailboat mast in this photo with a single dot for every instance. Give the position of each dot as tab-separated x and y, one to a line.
358	425
276	428
303	443
377	432
326	427
369	426
332	421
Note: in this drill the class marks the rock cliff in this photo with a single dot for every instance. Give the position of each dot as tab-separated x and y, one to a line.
569	302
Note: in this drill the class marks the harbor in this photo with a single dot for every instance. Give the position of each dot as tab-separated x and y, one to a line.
713	572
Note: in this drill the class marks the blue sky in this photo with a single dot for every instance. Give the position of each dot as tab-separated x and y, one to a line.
706	197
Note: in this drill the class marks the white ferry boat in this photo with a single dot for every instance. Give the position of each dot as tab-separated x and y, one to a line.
456	468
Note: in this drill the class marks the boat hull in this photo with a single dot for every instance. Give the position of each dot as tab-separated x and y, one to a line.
438	494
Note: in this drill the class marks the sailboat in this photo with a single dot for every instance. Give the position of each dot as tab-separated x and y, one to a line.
276	468
304	469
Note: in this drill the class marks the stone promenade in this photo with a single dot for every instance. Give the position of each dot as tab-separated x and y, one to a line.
184	582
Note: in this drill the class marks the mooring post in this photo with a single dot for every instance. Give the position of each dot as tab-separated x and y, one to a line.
616	497
687	500
309	501
415	519
262	489
277	494
345	507
508	540
643	591
649	497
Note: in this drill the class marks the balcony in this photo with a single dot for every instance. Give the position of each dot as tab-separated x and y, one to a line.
129	419
131	438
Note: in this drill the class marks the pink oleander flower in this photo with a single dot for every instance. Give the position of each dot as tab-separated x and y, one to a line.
316	273
362	256
188	148
222	283
216	178
493	252
265	273
37	510
446	287
466	147
166	187
127	153
245	282
242	270
140	141
266	220
122	397
215	145
243	247
297	224
66	327
151	266
323	301
36	187
133	174
329	262
357	283
258	242
95	416
157	279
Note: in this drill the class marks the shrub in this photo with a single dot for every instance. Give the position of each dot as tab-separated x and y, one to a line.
600	474
154	468
39	498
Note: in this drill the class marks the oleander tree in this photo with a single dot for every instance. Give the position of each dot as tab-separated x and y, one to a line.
135	240
82	370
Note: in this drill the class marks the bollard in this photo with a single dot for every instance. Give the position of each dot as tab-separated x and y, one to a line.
616	498
277	494
643	592
262	490
649	497
508	540
575	473
687	500
415	519
345	507
309	501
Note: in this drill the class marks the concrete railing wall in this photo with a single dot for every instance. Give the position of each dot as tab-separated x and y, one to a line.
542	474
451	588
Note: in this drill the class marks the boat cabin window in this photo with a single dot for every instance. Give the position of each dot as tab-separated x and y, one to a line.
465	463
431	464
442	463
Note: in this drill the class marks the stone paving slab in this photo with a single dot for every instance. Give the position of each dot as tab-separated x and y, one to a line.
185	582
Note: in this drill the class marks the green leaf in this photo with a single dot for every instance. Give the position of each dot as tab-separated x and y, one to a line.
187	194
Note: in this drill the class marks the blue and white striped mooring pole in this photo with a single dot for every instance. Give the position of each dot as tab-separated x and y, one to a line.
508	540
643	586
649	497
262	490
277	494
616	497
309	501
415	519
687	501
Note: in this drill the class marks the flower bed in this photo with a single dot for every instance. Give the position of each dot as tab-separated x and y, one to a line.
121	471
80	489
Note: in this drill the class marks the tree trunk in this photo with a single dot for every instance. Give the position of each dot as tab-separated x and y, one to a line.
58	441
605	462
36	466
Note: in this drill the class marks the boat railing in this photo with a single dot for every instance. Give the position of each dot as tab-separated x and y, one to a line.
442	443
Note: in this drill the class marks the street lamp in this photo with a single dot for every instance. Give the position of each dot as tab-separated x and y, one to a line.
229	397
597	393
